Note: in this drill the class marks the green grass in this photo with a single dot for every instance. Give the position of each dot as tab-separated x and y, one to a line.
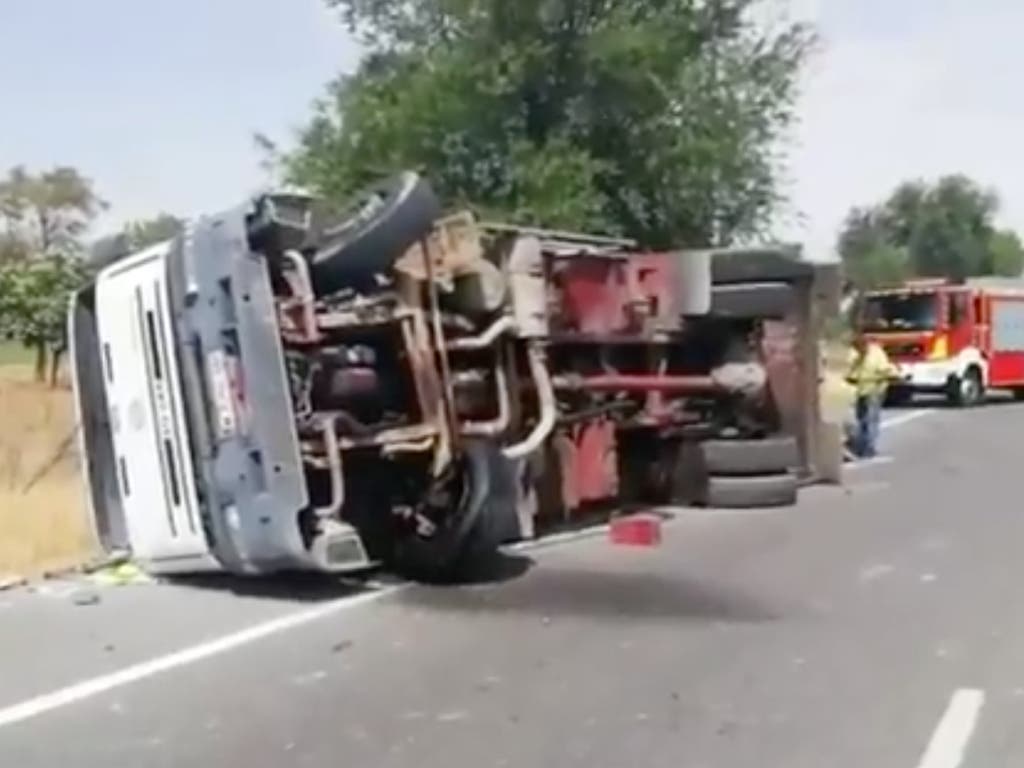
12	353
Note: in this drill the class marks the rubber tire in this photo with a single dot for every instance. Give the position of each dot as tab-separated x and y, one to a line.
758	265
764	492
1018	394
769	456
369	241
898	396
955	395
753	301
456	555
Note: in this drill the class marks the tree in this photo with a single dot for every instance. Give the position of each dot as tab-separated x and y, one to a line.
941	230
659	119
1007	254
44	218
49	211
142	234
33	305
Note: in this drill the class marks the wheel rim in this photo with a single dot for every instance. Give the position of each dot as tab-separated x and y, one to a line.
969	388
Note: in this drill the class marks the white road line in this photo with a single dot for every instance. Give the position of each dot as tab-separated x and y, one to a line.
949	742
557	539
96	686
905	418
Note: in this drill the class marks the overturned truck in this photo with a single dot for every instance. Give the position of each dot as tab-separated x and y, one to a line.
268	393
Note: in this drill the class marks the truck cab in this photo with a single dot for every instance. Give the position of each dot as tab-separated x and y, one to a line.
928	329
191	464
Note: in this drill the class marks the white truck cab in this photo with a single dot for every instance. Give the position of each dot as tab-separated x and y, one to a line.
192	459
151	443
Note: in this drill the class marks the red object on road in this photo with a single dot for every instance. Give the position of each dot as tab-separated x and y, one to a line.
636	531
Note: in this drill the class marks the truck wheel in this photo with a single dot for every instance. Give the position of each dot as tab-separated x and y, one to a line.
897	396
752	492
770	456
752	301
474	509
966	391
384	222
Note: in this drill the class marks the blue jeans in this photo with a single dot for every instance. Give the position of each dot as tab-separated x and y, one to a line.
869	423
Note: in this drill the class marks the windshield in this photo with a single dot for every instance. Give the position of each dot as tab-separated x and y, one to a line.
901	312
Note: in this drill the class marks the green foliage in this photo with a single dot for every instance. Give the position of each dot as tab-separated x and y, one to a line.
941	230
657	119
1007	254
50	210
43	218
140	235
33	298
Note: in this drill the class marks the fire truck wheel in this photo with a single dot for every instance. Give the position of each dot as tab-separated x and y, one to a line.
897	396
966	391
383	223
769	456
1018	394
766	491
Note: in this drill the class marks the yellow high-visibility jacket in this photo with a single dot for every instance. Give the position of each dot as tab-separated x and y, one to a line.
871	372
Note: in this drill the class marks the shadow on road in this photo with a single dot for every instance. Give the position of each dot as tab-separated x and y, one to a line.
314	587
553	593
938	401
297	587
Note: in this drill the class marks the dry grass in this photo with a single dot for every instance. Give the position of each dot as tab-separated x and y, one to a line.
43	522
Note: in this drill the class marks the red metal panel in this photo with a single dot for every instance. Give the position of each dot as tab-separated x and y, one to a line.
1006	363
597	476
592	295
1006	368
604	296
587	454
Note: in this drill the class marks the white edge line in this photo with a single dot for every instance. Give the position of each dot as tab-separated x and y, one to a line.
87	689
949	742
906	418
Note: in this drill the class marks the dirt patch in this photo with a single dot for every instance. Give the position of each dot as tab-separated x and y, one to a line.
43	521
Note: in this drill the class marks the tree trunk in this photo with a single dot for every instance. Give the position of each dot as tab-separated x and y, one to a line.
55	360
40	361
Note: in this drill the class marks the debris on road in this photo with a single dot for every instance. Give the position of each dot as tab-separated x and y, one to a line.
11	581
636	531
121	575
85	597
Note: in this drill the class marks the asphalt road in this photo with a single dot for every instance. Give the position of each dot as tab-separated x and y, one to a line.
876	625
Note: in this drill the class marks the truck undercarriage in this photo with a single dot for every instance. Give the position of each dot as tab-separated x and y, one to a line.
417	390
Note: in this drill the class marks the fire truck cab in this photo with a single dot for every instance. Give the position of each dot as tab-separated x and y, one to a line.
959	339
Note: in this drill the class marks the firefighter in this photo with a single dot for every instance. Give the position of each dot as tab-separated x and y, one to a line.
869	372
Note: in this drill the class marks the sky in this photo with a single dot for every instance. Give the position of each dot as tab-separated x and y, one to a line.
157	101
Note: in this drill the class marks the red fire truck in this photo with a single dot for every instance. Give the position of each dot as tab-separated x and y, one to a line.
954	338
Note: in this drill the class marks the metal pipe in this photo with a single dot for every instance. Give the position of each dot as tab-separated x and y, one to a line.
497	329
555	234
421	446
638	383
440	345
500	424
306	296
333	509
548	406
